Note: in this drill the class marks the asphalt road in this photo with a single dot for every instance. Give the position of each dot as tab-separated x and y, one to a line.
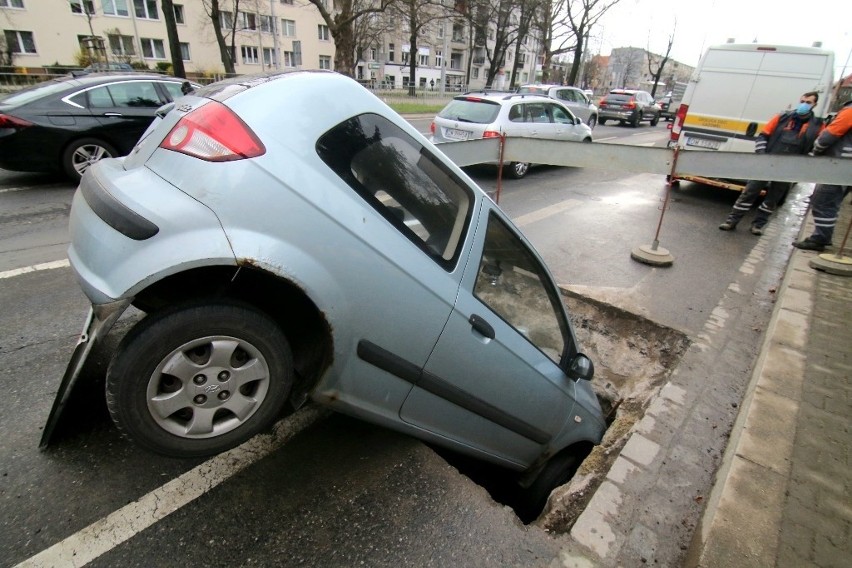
342	492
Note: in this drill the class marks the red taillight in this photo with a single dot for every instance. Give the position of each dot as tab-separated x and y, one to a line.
630	104
432	128
215	134
491	134
677	124
7	121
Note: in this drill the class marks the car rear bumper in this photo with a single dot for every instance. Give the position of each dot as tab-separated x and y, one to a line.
131	228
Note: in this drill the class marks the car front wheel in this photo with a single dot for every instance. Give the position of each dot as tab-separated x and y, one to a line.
81	154
637	118
593	120
602	121
517	170
655	120
200	379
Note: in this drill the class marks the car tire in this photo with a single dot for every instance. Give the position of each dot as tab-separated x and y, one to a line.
82	153
556	472
593	120
637	118
655	120
517	170
161	382
602	121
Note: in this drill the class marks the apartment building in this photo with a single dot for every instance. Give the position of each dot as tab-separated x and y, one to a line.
270	34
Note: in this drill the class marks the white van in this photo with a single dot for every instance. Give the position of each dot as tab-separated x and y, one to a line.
737	88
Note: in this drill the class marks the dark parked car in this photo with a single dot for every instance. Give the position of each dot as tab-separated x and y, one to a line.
67	124
629	106
667	111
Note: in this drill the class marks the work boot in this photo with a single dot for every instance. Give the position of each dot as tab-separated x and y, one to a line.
727	226
808	244
755	230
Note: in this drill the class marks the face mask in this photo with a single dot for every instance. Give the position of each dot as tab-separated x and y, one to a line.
803	108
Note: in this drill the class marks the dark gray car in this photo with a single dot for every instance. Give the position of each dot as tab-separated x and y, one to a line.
629	107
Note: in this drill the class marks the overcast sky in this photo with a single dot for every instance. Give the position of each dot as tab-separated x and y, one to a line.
701	23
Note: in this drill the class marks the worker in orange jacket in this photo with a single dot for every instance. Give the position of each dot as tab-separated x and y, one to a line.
835	141
792	132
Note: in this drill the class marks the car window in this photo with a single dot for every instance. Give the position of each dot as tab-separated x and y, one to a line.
34	92
403	181
471	109
561	115
515	286
174	89
135	94
516	113
97	98
536	112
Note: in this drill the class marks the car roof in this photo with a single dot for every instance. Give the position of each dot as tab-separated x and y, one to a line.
502	97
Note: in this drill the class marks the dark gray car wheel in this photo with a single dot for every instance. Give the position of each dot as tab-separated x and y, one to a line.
82	153
556	472
517	170
655	120
200	379
637	118
593	120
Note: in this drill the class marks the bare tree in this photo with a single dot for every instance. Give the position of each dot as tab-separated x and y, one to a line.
369	33
174	41
214	12
659	61
418	15
565	26
341	26
527	9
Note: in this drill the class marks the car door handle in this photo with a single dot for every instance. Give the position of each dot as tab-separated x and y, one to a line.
113	114
481	326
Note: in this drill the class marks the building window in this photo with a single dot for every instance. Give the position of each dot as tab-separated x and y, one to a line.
439	58
287	56
325	62
184	51
82	6
19	42
146	9
226	20
267	25
322	32
249	53
391	52
179	14
247	21
152	48
297	53
288	2
115	7
405	55
423	59
11	3
269	58
288	28
121	45
372	54
476	72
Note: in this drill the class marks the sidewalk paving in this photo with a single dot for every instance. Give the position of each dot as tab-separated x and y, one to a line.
782	496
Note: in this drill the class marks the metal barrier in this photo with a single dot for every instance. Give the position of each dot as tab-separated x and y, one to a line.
663	161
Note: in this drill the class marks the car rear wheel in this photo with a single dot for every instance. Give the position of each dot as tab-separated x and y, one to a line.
637	118
81	154
517	170
199	379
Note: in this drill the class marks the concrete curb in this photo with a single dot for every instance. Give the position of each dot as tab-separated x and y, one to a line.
740	525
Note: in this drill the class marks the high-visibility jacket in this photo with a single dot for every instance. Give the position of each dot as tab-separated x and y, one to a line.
788	133
836	139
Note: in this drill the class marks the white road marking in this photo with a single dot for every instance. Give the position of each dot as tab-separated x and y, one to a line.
102	536
35	267
546	212
10	189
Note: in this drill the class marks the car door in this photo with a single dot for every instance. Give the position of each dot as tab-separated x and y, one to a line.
530	120
565	124
124	110
493	381
576	102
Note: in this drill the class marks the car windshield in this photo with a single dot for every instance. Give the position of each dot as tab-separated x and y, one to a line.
471	109
33	92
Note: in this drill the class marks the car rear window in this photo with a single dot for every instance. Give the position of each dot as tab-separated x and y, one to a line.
403	181
532	90
31	93
471	109
618	98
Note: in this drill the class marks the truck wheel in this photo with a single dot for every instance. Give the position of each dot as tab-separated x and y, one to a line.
199	379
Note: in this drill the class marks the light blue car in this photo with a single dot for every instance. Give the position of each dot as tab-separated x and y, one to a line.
290	237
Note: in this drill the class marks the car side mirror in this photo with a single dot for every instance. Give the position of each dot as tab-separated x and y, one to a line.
581	367
577	121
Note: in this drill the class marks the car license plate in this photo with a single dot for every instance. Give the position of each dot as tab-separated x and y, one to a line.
704	143
455	134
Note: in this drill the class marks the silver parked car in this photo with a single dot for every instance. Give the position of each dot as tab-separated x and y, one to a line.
482	115
327	253
577	100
